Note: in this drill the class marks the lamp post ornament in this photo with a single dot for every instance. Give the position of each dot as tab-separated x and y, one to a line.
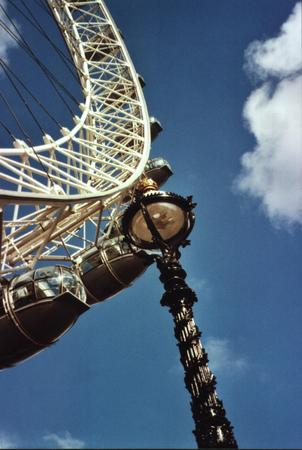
212	428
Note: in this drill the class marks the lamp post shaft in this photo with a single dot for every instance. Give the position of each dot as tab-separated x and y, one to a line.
168	229
212	428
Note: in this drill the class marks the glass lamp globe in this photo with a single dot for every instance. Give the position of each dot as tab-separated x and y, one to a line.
170	214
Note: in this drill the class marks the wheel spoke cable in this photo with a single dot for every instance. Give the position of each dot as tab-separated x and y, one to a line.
17	90
33	21
25	46
7	69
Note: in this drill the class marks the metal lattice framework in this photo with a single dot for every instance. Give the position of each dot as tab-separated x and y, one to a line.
56	196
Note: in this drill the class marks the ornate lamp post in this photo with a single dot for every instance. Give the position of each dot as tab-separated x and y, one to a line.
162	221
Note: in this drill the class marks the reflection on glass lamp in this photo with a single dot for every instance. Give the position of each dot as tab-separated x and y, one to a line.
170	214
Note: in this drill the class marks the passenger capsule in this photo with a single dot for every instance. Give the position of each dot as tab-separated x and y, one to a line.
36	309
114	266
155	127
159	170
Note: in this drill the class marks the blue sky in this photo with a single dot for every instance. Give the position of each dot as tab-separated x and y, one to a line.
114	381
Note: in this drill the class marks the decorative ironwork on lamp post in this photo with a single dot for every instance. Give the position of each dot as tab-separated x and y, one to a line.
162	221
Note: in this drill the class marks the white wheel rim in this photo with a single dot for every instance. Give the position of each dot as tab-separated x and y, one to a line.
90	165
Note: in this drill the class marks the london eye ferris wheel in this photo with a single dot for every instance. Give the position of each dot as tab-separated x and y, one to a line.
63	197
56	187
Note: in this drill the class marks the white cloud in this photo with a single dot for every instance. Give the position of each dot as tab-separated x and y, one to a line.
64	441
272	172
7	441
176	369
279	56
198	284
6	41
222	357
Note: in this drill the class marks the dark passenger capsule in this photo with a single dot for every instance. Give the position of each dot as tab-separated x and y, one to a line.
111	268
36	309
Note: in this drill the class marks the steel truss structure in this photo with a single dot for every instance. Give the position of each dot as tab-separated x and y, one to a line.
56	197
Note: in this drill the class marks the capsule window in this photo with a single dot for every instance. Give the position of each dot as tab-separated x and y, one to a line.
125	247
113	252
86	266
21	280
71	283
91	263
47	272
48	287
49	282
23	295
79	291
